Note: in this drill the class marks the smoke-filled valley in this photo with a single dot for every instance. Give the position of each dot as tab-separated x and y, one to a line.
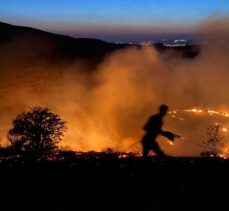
107	98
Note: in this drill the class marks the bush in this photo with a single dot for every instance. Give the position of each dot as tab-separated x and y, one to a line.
36	132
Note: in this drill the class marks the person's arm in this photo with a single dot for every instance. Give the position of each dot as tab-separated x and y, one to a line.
161	132
169	135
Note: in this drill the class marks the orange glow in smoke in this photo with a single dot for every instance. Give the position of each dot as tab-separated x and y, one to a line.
171	143
225	153
224	129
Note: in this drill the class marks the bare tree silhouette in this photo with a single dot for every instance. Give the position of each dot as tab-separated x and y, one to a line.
36	133
214	141
214	136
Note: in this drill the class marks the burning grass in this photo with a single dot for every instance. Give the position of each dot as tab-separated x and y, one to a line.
211	123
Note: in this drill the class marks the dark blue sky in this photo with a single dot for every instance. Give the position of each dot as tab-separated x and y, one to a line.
110	20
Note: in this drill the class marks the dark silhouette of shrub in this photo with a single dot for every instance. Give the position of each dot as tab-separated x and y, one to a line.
36	133
214	141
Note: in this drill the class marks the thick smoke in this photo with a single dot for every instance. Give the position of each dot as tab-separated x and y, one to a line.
109	106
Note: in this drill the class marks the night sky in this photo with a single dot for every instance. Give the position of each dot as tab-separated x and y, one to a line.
111	20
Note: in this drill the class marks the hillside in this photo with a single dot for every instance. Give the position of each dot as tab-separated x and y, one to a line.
32	44
52	46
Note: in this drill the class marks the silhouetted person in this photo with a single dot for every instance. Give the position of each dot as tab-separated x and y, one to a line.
153	128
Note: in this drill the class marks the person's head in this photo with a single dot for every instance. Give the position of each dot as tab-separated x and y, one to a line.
163	109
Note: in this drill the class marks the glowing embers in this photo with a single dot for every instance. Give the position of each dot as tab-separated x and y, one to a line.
224	129
194	110
171	143
224	153
197	124
181	114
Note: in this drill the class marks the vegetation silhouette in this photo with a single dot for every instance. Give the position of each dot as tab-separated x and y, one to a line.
36	133
214	141
153	128
96	180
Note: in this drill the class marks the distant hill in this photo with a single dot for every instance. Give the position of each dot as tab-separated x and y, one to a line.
53	45
187	51
27	44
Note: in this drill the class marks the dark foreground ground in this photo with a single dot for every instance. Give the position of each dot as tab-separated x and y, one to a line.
109	183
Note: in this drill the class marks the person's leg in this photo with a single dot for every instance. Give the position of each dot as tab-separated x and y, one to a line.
157	149
145	150
145	145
